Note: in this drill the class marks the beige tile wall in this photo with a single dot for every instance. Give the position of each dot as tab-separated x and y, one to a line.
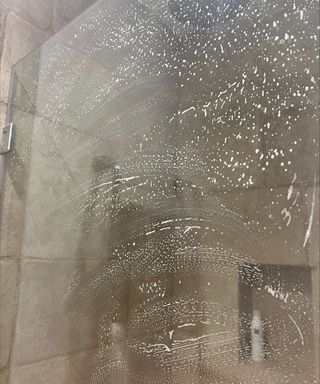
24	25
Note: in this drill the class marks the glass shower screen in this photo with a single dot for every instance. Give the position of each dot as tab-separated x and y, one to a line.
166	164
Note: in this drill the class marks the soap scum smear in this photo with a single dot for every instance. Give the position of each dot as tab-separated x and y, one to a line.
161	269
207	91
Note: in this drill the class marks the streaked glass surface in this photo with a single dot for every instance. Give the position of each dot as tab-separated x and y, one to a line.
167	165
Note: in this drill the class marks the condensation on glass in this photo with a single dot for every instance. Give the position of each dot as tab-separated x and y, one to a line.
167	158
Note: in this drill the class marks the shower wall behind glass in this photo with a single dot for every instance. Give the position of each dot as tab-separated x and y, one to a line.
166	160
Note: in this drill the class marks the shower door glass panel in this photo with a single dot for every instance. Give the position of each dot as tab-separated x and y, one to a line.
167	165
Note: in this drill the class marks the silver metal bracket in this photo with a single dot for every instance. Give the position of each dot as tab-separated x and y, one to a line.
6	142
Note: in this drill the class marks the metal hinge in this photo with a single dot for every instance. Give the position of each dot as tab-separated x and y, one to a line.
6	142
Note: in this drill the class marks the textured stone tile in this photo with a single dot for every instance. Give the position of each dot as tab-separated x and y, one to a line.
45	328
79	77
88	3
8	285
14	186
25	82
20	39
226	150
312	229
65	11
61	176
292	155
260	373
38	12
71	369
4	376
11	225
316	300
3	18
3	113
279	218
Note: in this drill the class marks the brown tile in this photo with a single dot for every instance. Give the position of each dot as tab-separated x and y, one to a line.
64	12
8	300
11	224
38	12
292	154
4	376
72	369
45	327
57	191
312	234
14	186
3	18
279	218
20	39
3	113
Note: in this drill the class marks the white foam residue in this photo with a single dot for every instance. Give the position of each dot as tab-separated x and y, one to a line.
287	216
191	227
298	328
308	231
